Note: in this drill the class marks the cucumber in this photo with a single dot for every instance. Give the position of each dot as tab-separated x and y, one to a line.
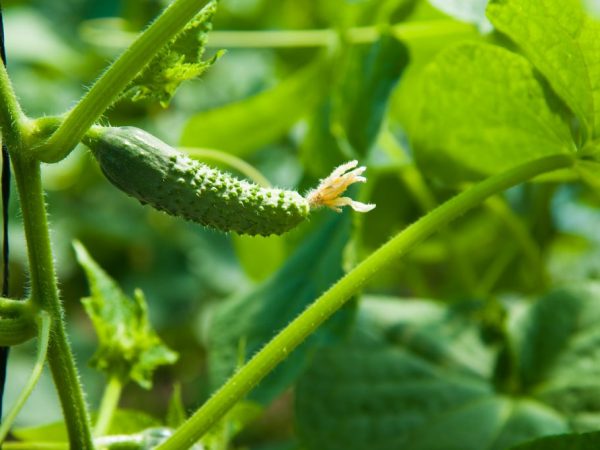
156	174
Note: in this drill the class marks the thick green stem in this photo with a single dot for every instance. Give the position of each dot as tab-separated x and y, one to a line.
110	85
332	300
44	293
11	115
110	401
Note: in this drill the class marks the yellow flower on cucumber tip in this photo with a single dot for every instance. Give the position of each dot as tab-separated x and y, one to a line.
329	190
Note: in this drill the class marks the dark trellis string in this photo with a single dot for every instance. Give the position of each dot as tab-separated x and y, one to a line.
5	199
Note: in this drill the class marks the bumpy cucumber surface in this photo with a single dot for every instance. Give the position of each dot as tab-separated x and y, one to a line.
155	173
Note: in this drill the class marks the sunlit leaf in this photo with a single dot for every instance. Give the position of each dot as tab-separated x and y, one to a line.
128	347
245	126
178	61
563	43
484	110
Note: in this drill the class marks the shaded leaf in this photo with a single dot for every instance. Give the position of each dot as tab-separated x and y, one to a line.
557	341
563	43
128	347
432	390
254	317
371	75
483	111
178	61
245	126
587	441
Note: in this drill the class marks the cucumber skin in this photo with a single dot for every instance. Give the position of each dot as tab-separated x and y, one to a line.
146	168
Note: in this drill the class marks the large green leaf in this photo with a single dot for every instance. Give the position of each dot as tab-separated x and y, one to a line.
587	441
563	43
245	126
128	347
484	110
249	320
421	378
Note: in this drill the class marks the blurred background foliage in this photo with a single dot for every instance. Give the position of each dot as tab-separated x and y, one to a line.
207	291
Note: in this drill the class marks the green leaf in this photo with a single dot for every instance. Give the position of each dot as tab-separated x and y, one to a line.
245	126
587	441
252	318
484	110
371	74
556	342
128	346
178	61
347	123
564	45
321	149
431	390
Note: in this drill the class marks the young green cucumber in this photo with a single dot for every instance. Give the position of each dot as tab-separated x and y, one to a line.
155	173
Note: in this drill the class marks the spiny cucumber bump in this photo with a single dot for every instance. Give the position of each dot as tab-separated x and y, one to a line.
156	174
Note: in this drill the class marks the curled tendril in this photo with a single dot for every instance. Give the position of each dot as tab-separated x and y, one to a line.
329	190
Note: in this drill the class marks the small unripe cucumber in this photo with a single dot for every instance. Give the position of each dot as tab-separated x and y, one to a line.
155	173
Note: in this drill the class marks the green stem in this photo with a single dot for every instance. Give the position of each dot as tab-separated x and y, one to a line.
9	306
110	401
11	115
327	37
110	85
94	33
43	338
290	337
44	294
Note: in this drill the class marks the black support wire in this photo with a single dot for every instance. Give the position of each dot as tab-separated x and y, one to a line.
5	181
